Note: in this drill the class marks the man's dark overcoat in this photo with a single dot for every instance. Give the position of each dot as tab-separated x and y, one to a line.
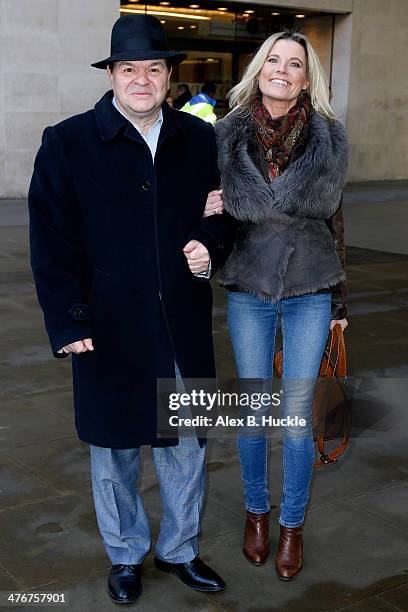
107	231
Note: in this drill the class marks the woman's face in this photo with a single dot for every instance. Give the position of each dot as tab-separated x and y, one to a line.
283	75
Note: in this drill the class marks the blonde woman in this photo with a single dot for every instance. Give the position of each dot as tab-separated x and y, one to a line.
282	158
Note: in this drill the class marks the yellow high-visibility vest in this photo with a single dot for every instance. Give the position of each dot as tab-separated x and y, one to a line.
202	110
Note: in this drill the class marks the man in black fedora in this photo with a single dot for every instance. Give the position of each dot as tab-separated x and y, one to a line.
121	257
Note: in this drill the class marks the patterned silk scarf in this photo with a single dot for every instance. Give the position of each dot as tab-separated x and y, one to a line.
279	136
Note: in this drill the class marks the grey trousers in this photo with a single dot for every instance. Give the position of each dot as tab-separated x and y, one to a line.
120	513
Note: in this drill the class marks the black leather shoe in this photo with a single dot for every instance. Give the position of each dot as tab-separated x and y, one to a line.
195	574
124	583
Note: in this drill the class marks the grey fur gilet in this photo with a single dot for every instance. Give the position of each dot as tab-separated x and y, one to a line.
284	247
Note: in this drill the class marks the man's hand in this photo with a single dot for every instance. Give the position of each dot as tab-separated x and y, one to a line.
343	323
81	346
214	204
197	256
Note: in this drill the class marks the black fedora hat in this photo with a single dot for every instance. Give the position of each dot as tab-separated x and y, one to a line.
139	37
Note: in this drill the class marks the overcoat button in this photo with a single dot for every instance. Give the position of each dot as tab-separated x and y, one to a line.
80	312
146	185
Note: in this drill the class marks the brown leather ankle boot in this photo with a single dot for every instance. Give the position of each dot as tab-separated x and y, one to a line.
289	557
256	538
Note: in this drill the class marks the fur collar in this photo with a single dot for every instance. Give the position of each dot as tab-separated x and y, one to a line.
310	186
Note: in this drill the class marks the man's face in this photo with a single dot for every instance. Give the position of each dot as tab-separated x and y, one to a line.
140	87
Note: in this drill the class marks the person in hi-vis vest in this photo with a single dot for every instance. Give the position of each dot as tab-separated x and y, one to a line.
202	105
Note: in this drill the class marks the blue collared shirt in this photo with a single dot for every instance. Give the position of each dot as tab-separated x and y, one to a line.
152	136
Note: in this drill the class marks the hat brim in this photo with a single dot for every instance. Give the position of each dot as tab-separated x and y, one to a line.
172	56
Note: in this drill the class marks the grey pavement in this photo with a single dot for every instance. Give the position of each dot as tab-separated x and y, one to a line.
356	532
376	215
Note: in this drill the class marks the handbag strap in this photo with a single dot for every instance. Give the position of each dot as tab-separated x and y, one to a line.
326	458
336	344
340	367
339	370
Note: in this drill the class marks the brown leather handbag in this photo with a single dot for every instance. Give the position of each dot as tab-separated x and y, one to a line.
331	410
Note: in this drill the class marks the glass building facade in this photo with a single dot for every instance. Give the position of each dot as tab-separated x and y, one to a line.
221	37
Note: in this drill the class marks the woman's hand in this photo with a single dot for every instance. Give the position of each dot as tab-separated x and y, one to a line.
214	205
343	323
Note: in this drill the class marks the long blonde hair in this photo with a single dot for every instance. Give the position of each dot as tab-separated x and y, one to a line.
242	94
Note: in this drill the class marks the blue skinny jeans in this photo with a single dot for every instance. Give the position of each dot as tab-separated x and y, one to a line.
305	322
